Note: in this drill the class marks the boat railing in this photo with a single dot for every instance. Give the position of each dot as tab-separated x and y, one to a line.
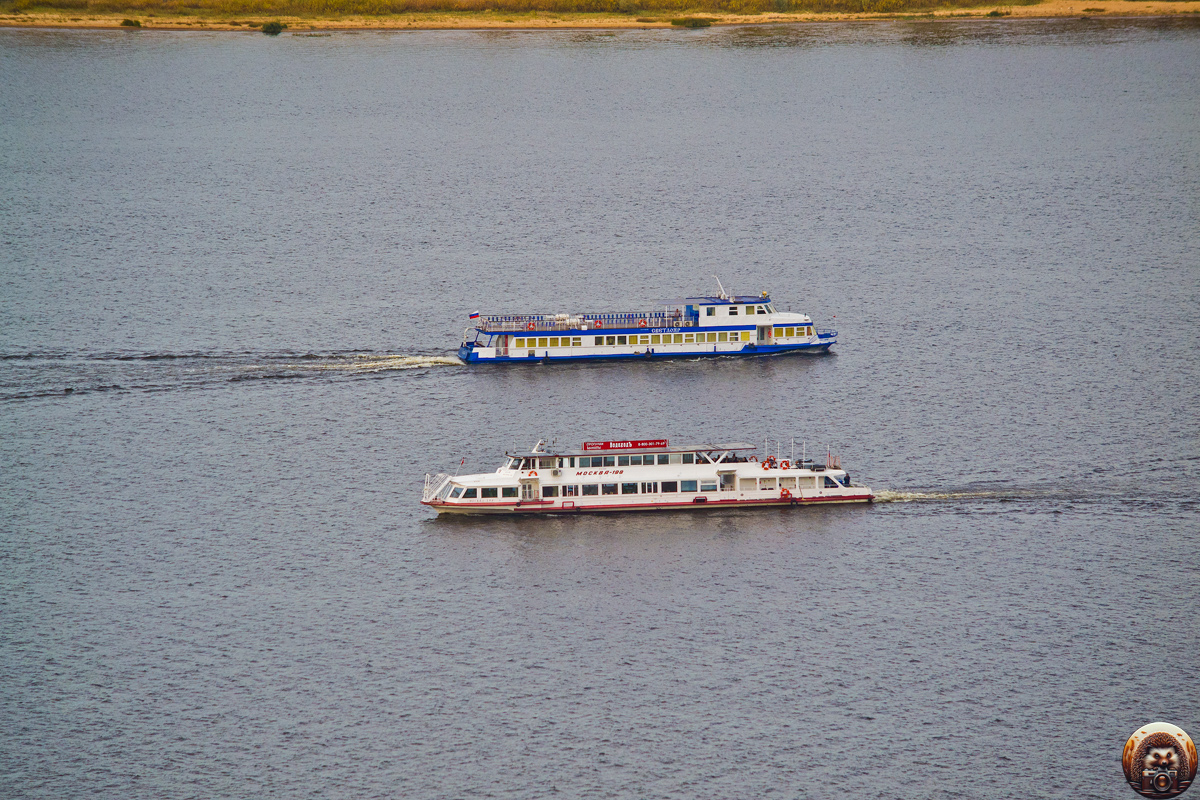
433	485
521	323
826	333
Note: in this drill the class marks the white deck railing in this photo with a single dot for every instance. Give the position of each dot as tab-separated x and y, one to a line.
433	484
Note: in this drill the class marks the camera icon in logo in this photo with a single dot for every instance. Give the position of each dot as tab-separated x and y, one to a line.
1159	760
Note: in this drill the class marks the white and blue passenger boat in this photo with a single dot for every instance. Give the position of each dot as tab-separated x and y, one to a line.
721	325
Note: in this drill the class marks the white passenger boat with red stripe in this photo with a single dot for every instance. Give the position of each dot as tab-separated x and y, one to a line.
647	475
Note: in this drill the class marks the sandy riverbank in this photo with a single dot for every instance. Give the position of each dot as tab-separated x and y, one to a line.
552	20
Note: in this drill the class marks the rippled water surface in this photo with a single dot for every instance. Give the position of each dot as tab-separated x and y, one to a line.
233	271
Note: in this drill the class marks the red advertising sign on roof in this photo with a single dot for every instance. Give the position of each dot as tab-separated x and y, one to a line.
634	445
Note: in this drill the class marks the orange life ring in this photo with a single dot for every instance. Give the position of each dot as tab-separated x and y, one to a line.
533	473
786	465
531	326
599	324
641	323
766	465
785	494
754	458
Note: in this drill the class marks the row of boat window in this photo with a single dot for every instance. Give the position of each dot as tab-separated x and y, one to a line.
585	462
655	338
645	487
733	310
589	489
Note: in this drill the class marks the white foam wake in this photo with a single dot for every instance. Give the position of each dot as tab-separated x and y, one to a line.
369	362
885	496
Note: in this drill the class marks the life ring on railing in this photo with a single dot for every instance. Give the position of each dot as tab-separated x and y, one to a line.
641	323
533	473
767	464
754	458
531	326
785	465
785	494
599	324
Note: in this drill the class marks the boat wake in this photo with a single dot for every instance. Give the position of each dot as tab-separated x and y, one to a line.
33	375
370	362
886	496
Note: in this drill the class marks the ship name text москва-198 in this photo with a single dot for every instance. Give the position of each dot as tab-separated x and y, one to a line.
647	475
721	325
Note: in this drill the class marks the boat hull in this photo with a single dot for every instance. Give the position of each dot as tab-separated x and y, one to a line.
541	507
472	355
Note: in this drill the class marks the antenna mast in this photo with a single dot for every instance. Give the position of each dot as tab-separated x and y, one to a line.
723	295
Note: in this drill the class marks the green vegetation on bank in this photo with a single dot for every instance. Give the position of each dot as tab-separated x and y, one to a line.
333	9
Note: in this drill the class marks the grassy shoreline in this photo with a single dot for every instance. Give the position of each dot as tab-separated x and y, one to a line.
249	16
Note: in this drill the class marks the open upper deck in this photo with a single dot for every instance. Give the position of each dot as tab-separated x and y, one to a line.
631	447
687	312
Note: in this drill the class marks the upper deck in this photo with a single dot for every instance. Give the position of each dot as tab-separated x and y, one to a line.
630	447
688	312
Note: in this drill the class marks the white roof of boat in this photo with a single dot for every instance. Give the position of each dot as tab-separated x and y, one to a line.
691	448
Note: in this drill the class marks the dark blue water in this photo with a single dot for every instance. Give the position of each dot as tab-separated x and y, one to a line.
233	268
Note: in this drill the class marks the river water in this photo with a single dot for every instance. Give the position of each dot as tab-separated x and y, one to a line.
233	271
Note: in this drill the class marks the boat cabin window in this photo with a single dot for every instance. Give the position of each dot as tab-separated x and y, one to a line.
611	340
470	494
664	458
610	461
570	491
749	310
546	463
708	487
629	488
590	488
549	491
649	488
508	491
711	311
762	310
675	458
689	458
527	463
670	486
457	493
608	488
687	486
488	492
830	483
733	311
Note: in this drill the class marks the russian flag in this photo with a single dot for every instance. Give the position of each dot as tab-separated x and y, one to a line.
475	315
